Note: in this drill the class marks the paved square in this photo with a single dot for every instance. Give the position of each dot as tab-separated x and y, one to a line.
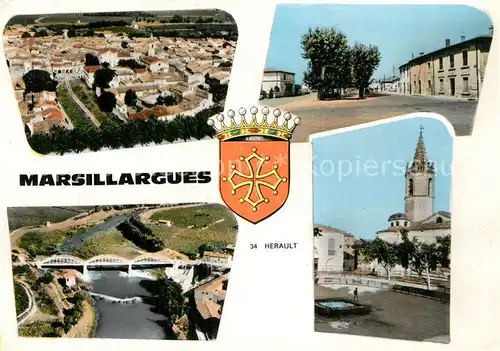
394	315
319	116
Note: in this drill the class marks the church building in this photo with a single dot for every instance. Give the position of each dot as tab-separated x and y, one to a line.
419	217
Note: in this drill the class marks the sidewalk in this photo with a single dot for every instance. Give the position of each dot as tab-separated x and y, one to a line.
437	97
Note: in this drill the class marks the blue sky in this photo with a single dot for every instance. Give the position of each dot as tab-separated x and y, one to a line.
397	30
359	175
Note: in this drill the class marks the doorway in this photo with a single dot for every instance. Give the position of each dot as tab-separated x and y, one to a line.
452	86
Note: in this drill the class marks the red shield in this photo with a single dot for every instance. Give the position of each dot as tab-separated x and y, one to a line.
254	177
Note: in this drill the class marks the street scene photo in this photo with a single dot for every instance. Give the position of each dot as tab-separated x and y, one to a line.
382	232
125	272
96	81
341	65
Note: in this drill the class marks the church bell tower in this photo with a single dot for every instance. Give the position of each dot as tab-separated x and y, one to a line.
419	192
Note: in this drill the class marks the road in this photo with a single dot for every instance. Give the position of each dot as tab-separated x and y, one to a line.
318	116
80	104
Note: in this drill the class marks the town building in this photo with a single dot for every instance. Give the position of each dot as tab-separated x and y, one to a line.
419	219
157	67
217	257
282	83
209	300
69	278
455	70
328	249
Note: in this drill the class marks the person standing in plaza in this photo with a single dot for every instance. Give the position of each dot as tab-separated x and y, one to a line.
356	294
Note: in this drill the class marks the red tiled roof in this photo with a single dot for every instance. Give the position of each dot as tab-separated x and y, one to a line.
92	69
150	60
53	114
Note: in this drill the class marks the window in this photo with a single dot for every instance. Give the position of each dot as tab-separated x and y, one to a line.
440	63
439	220
410	187
428	65
452	61
331	247
465	58
284	76
441	85
406	223
429	85
465	84
429	187
392	224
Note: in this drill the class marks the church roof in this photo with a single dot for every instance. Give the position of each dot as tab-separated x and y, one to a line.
420	226
398	215
420	160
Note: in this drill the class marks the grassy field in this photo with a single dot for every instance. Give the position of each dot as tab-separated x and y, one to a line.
21	298
19	217
197	217
87	98
111	242
74	112
194	226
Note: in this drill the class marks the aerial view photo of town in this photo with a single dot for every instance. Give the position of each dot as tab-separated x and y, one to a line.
382	233
130	271
95	81
340	65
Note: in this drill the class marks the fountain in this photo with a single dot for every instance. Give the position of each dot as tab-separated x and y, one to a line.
339	307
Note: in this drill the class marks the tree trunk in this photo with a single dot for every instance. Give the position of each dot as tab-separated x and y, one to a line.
361	92
388	270
428	280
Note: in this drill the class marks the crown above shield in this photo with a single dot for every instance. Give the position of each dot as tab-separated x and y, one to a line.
254	123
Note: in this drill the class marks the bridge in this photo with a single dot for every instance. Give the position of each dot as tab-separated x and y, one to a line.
103	262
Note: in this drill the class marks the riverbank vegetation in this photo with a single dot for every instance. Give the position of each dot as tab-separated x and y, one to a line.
46	244
167	300
139	234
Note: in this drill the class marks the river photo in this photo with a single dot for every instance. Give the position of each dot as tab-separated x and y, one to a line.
145	271
120	320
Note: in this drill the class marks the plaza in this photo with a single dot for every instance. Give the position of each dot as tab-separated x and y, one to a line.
394	315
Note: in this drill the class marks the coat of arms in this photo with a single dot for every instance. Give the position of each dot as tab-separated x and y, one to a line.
254	160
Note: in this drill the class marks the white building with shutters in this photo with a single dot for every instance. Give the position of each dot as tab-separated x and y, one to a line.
328	250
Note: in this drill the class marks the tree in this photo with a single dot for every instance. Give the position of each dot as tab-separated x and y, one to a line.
103	77
424	259
167	100
328	66
37	81
444	249
406	249
41	33
71	33
170	300
124	45
25	35
385	253
365	60
106	101
317	231
130	98
91	60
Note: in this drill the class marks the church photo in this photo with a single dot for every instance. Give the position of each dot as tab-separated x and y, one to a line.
382	229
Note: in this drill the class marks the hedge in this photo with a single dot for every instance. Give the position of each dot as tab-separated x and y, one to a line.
115	135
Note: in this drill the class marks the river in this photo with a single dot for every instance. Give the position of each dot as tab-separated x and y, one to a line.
75	241
124	321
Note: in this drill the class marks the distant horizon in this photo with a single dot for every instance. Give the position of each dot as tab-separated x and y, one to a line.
358	176
411	30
